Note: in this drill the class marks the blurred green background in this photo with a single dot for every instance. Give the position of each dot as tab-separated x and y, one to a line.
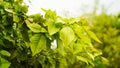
107	29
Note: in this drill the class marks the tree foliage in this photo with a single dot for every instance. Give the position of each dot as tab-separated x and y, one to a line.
26	41
107	29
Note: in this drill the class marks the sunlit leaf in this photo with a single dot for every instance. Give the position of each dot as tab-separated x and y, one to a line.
25	9
9	10
82	59
78	48
91	55
67	35
50	14
37	43
35	27
15	18
82	34
52	29
72	20
43	30
4	52
93	36
60	19
4	63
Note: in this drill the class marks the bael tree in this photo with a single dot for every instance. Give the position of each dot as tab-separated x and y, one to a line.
48	41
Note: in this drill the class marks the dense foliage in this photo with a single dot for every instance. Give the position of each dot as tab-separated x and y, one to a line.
107	29
48	41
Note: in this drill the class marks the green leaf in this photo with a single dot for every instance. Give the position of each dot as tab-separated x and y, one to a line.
93	36
105	61
1	42
25	35
78	47
82	59
63	63
91	55
60	20
9	10
67	35
41	60
52	62
43	30
60	47
71	20
81	33
35	27
37	43
50	14
4	52
15	18
52	29
4	63
25	9
71	58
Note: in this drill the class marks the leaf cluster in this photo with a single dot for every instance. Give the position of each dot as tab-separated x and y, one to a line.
48	41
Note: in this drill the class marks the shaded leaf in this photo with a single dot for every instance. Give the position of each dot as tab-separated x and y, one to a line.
60	47
25	35
41	60
1	42
105	61
63	63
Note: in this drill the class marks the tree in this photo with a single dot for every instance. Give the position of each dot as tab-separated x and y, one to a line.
25	41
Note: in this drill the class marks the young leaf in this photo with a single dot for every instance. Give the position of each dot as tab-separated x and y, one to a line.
67	35
4	63
52	29
37	43
50	14
35	27
82	59
81	33
4	52
93	36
